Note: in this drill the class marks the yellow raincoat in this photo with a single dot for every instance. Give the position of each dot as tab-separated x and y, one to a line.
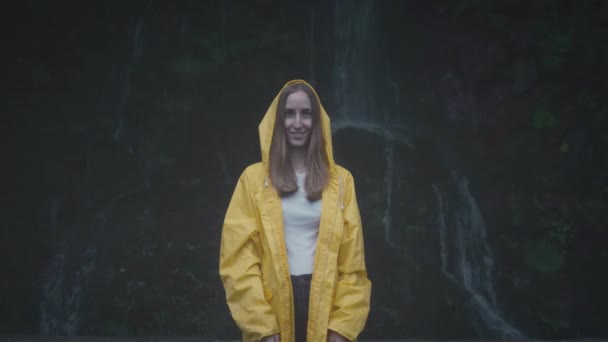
253	259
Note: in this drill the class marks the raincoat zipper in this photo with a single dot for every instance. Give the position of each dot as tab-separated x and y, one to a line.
280	247
341	198
341	202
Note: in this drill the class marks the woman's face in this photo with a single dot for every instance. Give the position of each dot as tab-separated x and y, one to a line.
298	119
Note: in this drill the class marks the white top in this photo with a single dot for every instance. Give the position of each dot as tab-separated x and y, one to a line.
301	221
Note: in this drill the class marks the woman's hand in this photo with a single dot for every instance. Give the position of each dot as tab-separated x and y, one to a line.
333	336
271	338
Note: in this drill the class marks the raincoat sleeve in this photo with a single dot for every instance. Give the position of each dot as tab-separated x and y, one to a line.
353	290
239	267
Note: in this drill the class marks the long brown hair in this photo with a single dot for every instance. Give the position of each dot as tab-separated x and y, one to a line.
281	169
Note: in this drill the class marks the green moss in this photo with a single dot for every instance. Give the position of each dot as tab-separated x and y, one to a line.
497	21
543	119
560	231
413	228
555	40
238	46
554	312
191	66
114	328
176	105
544	257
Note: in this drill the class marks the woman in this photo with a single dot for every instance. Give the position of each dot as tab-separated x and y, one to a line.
291	257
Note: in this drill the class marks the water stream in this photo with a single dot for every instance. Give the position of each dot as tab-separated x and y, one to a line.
467	260
461	225
66	279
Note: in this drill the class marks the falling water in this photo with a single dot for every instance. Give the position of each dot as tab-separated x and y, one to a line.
472	264
472	244
311	48
61	306
354	63
136	52
355	89
441	213
388	181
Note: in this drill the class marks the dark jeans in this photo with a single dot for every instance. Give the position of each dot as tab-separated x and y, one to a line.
301	291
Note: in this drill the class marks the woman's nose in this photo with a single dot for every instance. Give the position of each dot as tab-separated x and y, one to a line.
298	121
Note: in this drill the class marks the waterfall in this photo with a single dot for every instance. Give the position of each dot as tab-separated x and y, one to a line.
354	75
64	289
474	259
61	306
388	182
355	86
354	66
441	213
466	258
311	49
136	52
472	264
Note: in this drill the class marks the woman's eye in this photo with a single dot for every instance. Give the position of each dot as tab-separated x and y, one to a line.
289	113
306	113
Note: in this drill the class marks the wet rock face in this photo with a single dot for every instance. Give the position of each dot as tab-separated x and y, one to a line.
130	126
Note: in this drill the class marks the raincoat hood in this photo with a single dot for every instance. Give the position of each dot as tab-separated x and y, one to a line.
266	127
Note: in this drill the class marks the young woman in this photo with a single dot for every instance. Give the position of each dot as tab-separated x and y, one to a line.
292	257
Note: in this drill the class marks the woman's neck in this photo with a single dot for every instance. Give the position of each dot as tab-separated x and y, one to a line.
298	159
